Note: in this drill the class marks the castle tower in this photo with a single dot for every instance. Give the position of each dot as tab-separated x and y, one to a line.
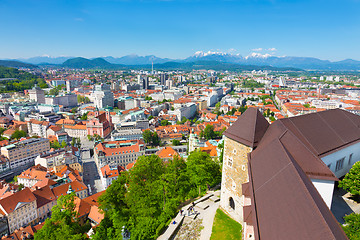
240	139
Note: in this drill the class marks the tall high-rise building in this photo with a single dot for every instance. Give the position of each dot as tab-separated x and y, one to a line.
37	94
103	97
163	78
145	82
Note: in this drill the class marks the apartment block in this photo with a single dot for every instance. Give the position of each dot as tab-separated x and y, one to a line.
25	151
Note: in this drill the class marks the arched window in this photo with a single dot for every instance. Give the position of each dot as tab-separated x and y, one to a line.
232	203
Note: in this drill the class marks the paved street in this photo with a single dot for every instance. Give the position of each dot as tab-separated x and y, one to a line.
343	205
91	176
199	225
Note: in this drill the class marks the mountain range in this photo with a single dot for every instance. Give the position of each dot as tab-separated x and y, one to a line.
101	63
254	59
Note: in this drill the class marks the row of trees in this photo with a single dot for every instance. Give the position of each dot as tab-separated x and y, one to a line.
56	145
146	198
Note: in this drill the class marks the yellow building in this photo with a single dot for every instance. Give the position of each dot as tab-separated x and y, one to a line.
19	208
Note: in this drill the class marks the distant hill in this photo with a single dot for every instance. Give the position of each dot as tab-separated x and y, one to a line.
213	65
96	63
16	64
44	60
99	63
255	59
137	60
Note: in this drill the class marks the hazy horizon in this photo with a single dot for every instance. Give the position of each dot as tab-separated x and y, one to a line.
177	29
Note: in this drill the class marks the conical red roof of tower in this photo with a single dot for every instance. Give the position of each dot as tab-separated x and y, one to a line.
249	128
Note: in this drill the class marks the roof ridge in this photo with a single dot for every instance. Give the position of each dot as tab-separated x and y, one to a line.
298	130
323	120
318	159
303	184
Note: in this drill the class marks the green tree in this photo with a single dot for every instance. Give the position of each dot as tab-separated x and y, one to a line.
209	132
217	107
97	138
145	199
54	91
221	147
155	139
151	138
2	130
18	134
147	136
165	122
150	117
242	109
231	112
63	223
84	116
352	226
202	170
63	144
183	120
176	142
351	181
55	144
74	110
21	186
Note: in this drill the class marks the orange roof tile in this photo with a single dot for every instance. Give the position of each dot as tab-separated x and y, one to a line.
167	152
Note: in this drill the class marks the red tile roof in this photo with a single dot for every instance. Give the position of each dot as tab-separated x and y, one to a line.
10	203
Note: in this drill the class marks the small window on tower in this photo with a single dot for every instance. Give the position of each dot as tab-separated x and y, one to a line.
230	162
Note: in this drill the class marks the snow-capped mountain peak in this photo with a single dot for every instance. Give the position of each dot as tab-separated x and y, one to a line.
208	53
258	55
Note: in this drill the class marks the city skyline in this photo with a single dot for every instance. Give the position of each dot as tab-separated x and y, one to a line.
179	28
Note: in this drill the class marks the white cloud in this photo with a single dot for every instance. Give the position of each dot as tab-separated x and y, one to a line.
258	55
272	49
232	50
257	49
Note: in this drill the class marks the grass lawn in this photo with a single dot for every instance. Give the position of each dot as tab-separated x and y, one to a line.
225	227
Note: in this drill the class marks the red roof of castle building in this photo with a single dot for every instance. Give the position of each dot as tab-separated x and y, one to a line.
249	128
279	186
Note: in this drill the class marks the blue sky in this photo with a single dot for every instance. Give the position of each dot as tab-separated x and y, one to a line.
325	29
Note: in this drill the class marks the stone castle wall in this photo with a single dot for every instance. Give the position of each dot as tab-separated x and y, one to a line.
234	173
